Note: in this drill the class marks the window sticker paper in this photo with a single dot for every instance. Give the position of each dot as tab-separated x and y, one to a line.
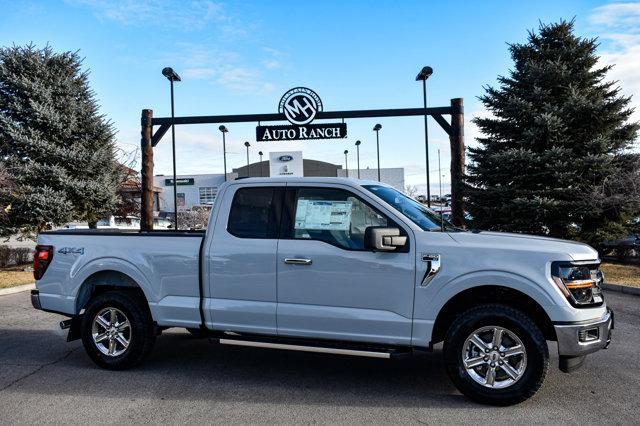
323	215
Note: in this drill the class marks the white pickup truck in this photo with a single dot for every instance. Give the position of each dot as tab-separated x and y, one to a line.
333	265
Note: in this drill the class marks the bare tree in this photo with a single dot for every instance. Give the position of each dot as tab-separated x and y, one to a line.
411	191
129	185
196	218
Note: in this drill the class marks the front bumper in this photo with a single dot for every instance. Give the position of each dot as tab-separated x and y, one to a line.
579	339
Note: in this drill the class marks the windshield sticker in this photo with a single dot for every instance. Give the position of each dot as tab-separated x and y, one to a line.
323	215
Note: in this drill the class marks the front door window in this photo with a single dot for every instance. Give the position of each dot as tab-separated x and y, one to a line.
334	216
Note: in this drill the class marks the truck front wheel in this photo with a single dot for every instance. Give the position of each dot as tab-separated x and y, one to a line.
496	355
117	330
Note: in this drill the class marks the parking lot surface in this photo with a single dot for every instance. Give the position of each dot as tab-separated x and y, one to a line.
45	379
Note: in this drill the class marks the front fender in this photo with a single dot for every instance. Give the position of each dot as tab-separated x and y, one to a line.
431	299
446	291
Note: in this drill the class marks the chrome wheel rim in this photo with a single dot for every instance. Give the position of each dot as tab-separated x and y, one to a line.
494	357
111	331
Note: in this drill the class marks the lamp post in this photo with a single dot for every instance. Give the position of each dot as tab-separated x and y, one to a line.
358	156
247	144
346	162
423	75
440	184
172	76
376	129
260	154
224	130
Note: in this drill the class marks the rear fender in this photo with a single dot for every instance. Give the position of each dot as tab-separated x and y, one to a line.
81	280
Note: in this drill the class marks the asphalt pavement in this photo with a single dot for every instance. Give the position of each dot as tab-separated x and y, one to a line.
185	380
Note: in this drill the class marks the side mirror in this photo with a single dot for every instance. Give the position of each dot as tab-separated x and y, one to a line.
383	239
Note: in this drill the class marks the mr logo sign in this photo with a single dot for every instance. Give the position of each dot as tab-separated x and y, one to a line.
300	106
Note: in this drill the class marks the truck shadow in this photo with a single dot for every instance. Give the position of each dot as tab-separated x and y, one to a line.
185	368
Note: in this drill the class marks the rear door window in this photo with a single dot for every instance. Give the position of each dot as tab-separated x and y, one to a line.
255	212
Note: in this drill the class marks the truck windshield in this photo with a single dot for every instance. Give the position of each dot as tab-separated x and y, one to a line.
416	212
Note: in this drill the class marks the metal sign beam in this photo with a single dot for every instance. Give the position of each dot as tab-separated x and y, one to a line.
321	115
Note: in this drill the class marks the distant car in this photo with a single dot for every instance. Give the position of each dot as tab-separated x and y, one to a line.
624	245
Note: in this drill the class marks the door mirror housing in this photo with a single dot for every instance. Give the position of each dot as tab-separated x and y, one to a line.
378	238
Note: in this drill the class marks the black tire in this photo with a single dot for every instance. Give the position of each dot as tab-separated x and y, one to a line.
513	320
141	333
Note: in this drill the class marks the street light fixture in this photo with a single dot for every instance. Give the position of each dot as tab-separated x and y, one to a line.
346	162
358	156
423	75
247	144
224	130
173	76
376	129
260	154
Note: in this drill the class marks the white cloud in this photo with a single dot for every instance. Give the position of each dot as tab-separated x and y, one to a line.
244	80
619	27
184	15
272	64
267	88
617	15
225	68
274	52
238	78
472	132
199	73
274	58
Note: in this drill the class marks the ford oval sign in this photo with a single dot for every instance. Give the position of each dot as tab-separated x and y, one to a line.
285	158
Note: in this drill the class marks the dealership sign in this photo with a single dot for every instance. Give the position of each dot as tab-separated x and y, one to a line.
300	106
180	181
286	164
309	131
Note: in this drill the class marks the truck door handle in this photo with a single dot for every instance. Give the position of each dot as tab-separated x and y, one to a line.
297	261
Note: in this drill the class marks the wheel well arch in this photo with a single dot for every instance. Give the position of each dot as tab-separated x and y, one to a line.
106	280
483	294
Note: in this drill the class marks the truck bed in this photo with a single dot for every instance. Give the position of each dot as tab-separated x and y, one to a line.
164	264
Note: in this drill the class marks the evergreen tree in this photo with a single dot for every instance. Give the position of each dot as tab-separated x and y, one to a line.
56	146
558	136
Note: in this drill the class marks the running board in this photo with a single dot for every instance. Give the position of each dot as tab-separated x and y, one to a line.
302	348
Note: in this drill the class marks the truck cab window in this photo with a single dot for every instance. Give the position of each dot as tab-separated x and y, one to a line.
334	216
253	214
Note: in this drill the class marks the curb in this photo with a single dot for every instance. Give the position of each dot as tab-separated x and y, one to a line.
17	289
622	289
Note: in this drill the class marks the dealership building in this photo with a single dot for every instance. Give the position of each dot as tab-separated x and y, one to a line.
200	190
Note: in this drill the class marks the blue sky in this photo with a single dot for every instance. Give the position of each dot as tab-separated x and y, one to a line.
240	57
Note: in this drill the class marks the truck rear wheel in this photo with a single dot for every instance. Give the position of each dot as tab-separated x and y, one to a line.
117	330
496	355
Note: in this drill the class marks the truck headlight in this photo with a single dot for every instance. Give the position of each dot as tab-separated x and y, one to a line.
580	283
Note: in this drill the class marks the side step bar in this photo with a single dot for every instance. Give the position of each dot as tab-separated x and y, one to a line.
303	348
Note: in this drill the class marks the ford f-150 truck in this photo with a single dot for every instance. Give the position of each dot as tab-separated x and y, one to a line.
333	265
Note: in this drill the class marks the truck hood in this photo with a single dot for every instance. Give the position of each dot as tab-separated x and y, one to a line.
504	240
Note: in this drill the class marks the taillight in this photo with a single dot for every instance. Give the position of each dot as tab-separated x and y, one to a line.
41	260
